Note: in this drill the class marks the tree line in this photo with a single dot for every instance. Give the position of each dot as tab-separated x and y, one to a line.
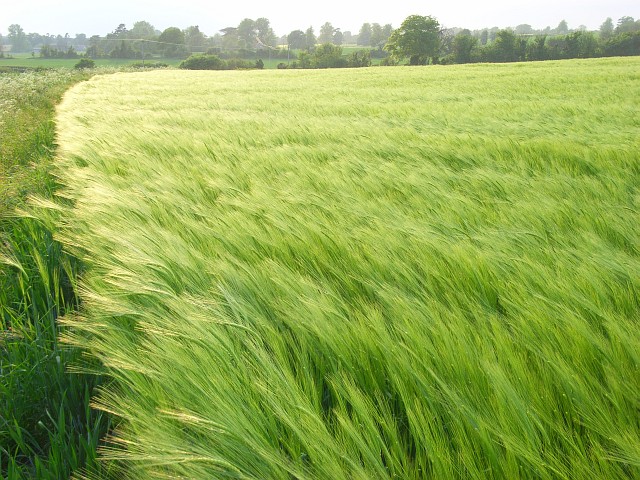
419	40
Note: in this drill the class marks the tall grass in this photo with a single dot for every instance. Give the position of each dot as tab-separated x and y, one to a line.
47	428
380	273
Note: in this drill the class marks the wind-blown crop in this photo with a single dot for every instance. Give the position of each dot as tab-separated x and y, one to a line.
405	273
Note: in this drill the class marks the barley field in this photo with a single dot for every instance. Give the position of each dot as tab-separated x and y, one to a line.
416	273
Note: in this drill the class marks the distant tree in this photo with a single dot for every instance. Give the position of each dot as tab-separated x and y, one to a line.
463	45
304	60
265	33
142	29
505	47
447	36
328	55
326	33
123	50
484	37
259	64
493	33
246	32
377	36
62	42
194	38
347	37
418	38
606	29
80	39
581	44
338	37
17	38
626	25
229	38
536	49
625	44
120	31
84	63
173	41
387	30
360	58
310	40
562	28
524	29
297	40
94	50
364	36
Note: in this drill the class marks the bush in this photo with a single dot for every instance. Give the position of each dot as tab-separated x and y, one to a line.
281	66
388	62
239	64
203	62
360	58
259	64
84	63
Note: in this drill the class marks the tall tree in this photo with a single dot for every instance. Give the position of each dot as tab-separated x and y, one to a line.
120	31
194	38
484	37
338	37
264	32
626	24
173	39
505	46
297	40
418	38
310	42
142	29
606	29
387	30
246	33
524	29
326	33
364	36
377	36
229	40
17	38
562	28
463	45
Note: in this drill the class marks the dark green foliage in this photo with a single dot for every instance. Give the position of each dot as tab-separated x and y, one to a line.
463	45
47	51
418	39
203	62
360	58
625	44
213	62
239	64
84	63
328	55
259	64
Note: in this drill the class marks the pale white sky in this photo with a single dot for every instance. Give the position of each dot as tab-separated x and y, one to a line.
102	17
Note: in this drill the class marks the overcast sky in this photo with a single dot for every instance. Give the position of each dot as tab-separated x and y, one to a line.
101	17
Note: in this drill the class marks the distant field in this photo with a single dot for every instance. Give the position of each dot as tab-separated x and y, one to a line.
24	60
35	62
362	274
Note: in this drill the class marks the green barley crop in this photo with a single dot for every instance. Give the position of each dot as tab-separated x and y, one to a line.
377	273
